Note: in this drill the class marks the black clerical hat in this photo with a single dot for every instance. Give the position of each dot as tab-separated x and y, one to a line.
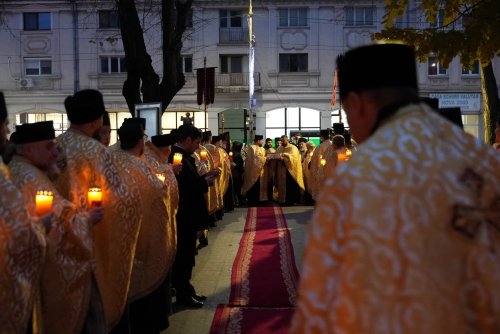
85	106
325	133
431	102
105	119
33	132
163	140
138	120
3	108
338	128
376	66
129	134
453	115
215	139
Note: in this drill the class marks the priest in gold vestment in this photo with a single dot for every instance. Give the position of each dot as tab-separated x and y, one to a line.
289	177
67	274
22	251
318	170
89	164
255	178
405	237
156	244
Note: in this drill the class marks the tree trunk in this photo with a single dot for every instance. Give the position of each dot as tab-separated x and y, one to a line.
491	102
141	76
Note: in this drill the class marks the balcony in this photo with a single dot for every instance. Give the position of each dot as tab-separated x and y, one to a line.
233	35
235	80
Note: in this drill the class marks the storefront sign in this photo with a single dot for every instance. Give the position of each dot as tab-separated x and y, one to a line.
466	101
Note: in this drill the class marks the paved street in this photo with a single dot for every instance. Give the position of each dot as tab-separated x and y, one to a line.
212	274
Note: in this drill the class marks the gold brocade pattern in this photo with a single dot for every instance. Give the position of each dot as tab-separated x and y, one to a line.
156	244
292	163
318	172
226	170
203	168
22	252
66	278
307	172
219	180
384	254
90	164
255	168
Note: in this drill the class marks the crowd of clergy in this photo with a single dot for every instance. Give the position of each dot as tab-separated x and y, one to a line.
107	235
101	239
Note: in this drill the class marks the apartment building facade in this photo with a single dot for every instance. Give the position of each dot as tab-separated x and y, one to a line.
52	48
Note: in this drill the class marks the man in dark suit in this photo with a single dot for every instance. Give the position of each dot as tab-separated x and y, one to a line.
192	215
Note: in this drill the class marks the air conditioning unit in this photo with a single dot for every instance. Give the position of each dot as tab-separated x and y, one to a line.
26	82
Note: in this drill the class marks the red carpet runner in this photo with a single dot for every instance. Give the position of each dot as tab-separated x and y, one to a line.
264	278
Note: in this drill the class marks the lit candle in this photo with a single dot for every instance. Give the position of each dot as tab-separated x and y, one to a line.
322	162
348	154
43	201
177	158
95	197
342	157
161	176
203	155
231	155
311	154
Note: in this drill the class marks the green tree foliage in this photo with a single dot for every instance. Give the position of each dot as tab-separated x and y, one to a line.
469	29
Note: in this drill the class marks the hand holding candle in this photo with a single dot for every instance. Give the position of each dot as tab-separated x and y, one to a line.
95	197
44	200
177	159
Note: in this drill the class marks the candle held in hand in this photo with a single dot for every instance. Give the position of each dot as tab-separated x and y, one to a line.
44	200
177	159
95	197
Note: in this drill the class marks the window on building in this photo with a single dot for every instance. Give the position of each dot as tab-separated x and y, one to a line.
293	62
187	64
281	121
435	68
231	64
113	65
360	16
108	19
230	18
172	120
293	17
37	21
474	70
37	66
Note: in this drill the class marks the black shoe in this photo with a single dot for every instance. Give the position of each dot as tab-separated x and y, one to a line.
189	302
199	298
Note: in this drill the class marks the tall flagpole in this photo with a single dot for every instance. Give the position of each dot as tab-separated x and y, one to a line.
251	60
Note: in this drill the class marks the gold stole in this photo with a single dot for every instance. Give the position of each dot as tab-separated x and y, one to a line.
306	171
156	243
90	164
255	167
22	252
203	168
293	165
67	273
217	159
318	172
